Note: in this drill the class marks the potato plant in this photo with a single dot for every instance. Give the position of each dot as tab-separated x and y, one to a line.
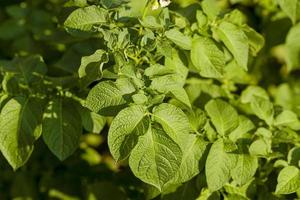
150	99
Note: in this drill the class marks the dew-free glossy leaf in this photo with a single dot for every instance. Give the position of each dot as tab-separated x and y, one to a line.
218	166
288	180
289	7
83	19
61	128
236	41
127	126
181	40
223	116
173	120
245	168
104	95
20	121
98	57
208	59
156	158
190	165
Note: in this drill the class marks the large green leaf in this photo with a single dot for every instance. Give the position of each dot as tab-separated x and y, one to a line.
218	166
104	95
91	121
235	40
289	119
245	168
125	130
244	126
288	180
179	39
292	46
156	158
174	122
223	116
92	65
190	165
20	121
289	7
84	19
207	57
263	109
61	127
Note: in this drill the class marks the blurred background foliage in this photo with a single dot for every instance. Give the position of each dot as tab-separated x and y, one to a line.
35	27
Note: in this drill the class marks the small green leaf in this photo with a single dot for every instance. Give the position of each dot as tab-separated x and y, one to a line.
256	41
223	116
294	156
179	39
20	122
84	19
91	121
289	119
289	7
253	91
292	45
207	57
245	168
190	165
91	65
236	41
211	8
288	180
173	120
61	128
125	130
103	96
244	126
218	166
260	147
156	158
263	109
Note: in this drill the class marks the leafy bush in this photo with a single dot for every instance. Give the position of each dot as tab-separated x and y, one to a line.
149	99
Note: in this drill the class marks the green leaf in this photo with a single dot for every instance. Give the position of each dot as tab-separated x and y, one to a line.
156	158
252	92
105	95
218	166
289	119
92	65
174	122
260	147
236	41
20	121
245	125
256	41
245	168
30	69
289	7
61	128
84	19
288	180
259	102
179	39
207	57
223	116
91	121
211	8
190	165
125	130
294	156
292	45
263	109
151	22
